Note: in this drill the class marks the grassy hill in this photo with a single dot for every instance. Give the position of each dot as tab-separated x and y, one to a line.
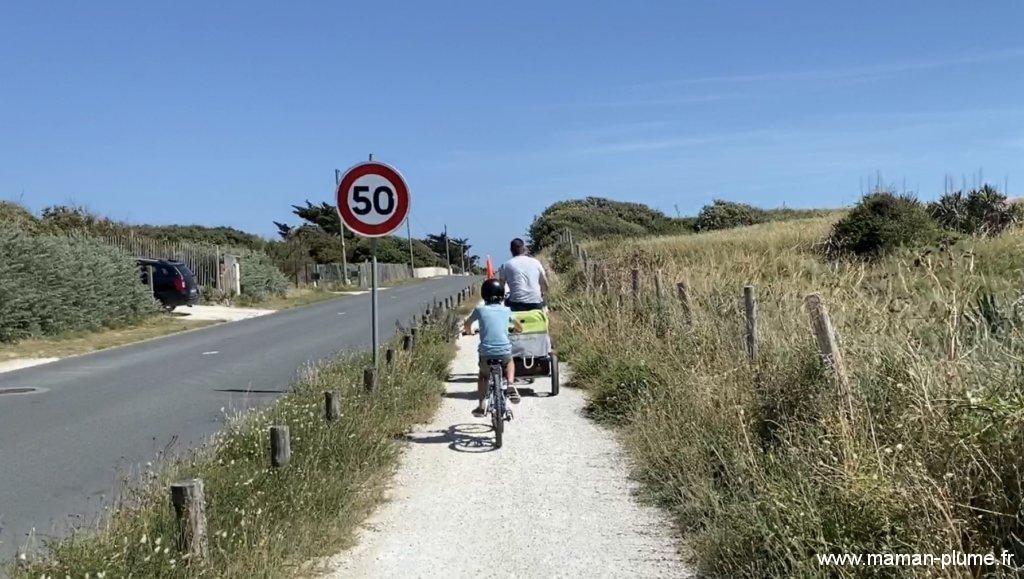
599	218
766	463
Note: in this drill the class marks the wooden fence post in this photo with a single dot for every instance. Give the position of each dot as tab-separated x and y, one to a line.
389	357
370	378
657	286
280	446
683	289
332	406
190	512
828	345
750	307
406	343
635	279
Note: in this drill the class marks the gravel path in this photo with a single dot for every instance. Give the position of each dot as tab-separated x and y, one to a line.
571	512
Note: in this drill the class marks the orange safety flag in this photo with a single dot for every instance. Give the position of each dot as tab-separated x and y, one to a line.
490	268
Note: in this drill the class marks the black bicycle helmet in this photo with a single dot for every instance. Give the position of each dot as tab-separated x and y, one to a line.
493	291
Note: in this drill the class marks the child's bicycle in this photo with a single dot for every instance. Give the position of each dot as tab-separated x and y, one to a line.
497	398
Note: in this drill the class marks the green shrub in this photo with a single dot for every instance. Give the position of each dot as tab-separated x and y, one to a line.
882	222
260	277
727	214
983	211
52	284
595	218
14	215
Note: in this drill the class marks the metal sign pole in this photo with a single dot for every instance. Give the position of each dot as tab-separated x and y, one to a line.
373	300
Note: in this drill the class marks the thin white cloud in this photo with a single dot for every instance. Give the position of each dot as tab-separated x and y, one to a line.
645	102
868	72
675	142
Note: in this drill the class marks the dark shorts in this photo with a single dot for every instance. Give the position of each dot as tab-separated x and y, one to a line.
522	306
485	367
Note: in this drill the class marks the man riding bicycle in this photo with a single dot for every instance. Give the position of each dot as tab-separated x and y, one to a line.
494	320
526	279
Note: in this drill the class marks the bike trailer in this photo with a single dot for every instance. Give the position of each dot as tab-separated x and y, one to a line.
531	348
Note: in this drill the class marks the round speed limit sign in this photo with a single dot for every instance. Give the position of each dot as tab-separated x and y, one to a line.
373	199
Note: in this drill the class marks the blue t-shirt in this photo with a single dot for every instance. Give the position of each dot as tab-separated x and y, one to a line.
494	323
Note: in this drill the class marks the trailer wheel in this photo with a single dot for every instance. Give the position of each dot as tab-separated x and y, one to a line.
554	374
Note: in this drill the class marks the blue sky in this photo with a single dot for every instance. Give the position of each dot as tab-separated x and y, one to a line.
228	112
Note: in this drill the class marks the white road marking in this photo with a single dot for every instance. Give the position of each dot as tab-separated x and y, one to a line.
211	352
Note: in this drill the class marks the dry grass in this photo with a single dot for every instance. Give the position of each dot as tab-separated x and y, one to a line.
266	522
759	462
75	343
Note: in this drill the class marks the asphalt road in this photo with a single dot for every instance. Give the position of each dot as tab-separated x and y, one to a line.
64	449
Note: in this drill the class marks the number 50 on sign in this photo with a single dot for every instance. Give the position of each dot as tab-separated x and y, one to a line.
373	199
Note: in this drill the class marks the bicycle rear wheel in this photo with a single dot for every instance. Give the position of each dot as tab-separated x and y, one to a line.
498	423
497	405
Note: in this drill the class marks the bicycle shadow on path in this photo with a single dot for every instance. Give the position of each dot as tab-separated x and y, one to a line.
472	437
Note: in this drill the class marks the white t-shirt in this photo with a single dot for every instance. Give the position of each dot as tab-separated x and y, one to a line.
523	274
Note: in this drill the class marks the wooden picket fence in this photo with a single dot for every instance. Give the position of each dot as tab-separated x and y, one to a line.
598	279
203	260
359	273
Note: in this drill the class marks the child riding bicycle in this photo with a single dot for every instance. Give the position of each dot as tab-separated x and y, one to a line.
494	319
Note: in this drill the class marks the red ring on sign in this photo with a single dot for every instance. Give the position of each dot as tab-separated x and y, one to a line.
401	199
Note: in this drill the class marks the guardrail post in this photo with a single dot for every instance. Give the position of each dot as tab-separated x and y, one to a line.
389	357
332	406
280	446
407	342
190	512
370	378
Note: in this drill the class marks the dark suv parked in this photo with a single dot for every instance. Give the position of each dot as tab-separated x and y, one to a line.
173	282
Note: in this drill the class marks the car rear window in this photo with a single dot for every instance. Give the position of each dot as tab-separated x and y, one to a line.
185	271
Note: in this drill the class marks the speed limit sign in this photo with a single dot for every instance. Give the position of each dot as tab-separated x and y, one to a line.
373	199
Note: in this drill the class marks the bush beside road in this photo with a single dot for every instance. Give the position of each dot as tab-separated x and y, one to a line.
53	284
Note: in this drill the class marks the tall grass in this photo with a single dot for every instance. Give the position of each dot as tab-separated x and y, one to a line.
758	461
266	522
